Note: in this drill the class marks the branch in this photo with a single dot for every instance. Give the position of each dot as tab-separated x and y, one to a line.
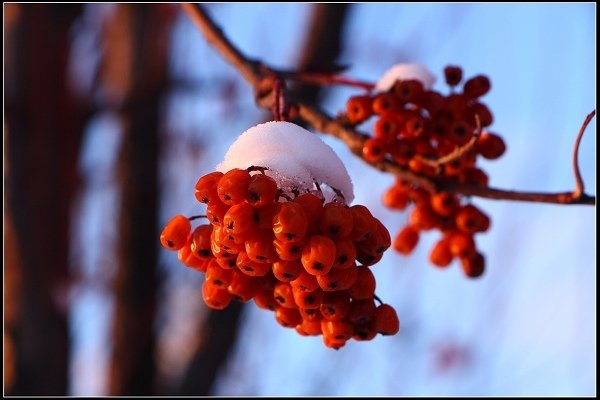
254	72
579	187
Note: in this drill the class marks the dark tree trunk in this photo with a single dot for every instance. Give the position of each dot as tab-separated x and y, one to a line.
43	131
219	332
135	69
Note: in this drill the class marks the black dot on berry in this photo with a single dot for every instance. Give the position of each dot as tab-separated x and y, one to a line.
334	230
287	275
309	299
318	266
254	197
280	299
330	310
290	236
218	282
237	297
170	243
332	285
247	268
339	337
342	259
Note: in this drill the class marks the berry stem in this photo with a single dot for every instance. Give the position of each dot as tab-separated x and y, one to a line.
378	299
579	185
456	153
193	217
323	78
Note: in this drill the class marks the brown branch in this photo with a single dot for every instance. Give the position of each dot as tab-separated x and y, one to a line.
579	186
354	139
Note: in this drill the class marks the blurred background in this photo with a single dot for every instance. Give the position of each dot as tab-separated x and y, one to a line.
112	112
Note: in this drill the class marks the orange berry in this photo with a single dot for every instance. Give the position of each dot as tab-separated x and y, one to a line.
310	328
250	267
264	299
477	86
333	343
200	245
287	271
338	330
387	128
453	75
406	240
473	265
361	311
335	305
233	185
345	253
461	244
175	234
290	222
490	146
373	150
364	287
288	251
215	297
440	254
259	247
318	255
359	108
444	203
311	204
363	223
308	300
206	187
336	220
396	198
483	112
386	320
460	132
335	279
282	293
408	91
364	332
218	276
305	282
287	317
215	212
242	287
262	190
227	262
470	219
403	150
187	257
310	314
385	103
239	219
422	217
474	176
415	127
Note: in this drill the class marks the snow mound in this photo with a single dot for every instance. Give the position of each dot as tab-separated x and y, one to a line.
295	157
405	72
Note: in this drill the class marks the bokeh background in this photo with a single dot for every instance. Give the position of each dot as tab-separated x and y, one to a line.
112	112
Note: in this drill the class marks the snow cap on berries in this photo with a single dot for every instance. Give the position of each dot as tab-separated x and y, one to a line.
295	158
404	71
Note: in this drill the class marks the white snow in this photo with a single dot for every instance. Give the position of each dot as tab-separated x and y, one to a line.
405	72
295	157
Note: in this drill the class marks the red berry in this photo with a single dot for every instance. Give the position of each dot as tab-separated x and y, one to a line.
206	187
175	234
233	185
262	190
406	240
453	75
386	320
318	255
359	108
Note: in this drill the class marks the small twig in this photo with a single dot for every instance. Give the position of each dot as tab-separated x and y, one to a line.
193	217
456	153
579	186
378	299
321	78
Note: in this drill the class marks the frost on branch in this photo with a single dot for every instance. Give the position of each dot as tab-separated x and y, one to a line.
295	157
405	72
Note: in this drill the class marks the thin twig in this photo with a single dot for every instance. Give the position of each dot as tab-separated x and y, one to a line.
254	72
579	186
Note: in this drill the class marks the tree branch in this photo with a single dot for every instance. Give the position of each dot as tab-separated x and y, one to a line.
254	72
579	186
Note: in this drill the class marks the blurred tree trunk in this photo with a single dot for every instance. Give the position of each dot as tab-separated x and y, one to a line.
220	330
43	131
135	75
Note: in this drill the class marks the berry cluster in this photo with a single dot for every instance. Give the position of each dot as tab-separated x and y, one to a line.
437	136
304	259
